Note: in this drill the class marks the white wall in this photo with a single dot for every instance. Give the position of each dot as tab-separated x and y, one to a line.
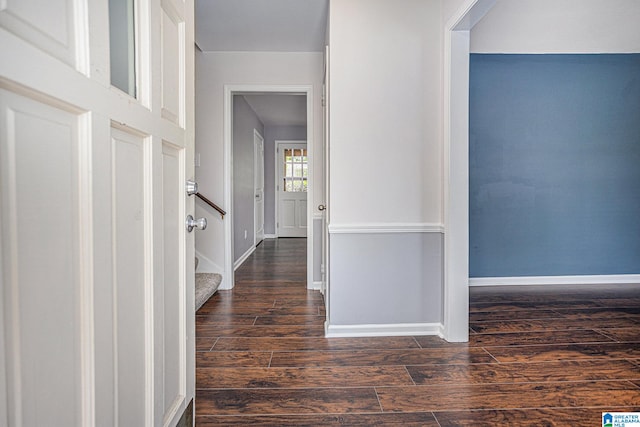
559	26
214	70
385	111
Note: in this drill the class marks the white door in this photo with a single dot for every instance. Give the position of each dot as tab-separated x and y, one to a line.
258	156
291	188
96	286
325	206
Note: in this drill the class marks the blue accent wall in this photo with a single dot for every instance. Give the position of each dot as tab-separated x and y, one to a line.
554	165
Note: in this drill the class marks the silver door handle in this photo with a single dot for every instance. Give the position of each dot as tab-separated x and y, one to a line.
321	207
200	223
191	187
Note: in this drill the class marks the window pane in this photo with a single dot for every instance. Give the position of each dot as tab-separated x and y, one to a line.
122	45
295	170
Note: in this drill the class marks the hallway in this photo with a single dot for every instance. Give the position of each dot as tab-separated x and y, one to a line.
534	358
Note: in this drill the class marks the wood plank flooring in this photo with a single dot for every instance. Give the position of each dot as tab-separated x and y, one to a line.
536	357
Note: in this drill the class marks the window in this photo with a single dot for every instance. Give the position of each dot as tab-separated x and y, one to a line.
295	170
122	45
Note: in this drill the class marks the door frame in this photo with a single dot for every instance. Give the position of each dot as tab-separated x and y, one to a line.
245	89
456	167
255	208
276	181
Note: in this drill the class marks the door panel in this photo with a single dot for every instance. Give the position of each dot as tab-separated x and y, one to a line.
301	212
287	214
170	344
172	48
42	312
130	275
48	25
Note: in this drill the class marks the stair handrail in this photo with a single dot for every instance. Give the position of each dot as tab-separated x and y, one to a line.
213	205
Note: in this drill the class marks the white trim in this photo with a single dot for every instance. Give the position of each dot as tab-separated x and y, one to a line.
456	167
230	90
270	236
381	227
317	285
383	330
87	297
243	258
611	279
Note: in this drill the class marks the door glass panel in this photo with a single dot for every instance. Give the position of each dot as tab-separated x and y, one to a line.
295	170
122	45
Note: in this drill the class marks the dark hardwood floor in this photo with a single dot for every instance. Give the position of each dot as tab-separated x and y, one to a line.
535	357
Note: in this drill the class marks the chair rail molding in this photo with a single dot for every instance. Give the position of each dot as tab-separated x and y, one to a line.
386	227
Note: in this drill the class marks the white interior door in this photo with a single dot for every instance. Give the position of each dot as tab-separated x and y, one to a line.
96	268
291	188
258	156
325	206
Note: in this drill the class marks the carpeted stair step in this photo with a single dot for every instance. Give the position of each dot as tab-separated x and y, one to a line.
206	285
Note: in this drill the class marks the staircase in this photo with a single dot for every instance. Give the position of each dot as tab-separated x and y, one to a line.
206	285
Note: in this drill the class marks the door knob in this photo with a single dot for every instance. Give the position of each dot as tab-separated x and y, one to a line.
191	187
200	223
321	207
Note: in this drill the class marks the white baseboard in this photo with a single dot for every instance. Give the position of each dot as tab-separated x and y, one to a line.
243	258
270	236
205	265
388	330
612	279
316	286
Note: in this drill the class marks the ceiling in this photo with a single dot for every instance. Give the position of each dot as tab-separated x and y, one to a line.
279	110
261	25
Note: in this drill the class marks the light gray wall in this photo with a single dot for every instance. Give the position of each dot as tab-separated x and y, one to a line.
271	135
388	278
244	122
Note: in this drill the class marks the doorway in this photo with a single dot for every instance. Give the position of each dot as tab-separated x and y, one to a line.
292	170
306	94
